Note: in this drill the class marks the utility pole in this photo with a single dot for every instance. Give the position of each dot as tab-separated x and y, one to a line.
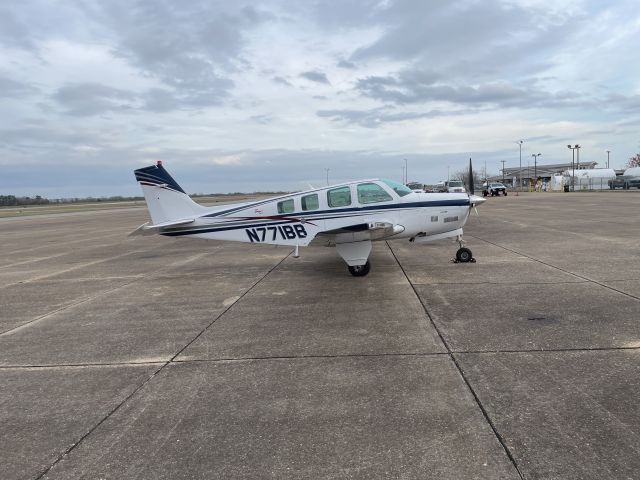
608	152
578	147
503	170
535	166
327	172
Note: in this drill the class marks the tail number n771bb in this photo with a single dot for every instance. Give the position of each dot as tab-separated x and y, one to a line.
286	232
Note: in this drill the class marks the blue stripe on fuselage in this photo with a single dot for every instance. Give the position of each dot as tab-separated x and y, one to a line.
429	203
368	210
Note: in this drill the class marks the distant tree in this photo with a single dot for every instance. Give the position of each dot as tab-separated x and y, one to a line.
634	161
463	175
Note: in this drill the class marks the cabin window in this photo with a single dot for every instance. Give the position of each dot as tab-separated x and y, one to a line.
286	206
372	193
400	189
310	202
339	197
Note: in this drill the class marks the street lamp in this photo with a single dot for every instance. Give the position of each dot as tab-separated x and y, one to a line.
573	169
535	167
503	170
327	172
406	172
520	142
608	152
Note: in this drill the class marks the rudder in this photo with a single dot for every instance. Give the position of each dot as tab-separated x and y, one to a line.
166	200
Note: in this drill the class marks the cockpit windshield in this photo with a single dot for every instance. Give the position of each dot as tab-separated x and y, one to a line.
398	187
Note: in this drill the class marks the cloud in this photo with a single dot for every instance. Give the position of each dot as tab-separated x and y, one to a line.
377	117
315	76
346	64
190	48
12	89
14	32
417	87
86	99
282	81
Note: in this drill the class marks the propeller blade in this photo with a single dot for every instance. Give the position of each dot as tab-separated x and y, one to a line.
471	186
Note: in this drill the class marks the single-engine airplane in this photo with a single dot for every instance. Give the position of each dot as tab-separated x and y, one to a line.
347	216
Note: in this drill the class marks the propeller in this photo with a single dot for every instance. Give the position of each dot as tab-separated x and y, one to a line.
473	199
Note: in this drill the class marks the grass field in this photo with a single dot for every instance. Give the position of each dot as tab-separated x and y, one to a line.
24	211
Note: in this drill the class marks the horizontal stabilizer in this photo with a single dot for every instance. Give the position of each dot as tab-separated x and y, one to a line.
150	229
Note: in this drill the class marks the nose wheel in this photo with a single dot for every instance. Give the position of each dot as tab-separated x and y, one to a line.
464	255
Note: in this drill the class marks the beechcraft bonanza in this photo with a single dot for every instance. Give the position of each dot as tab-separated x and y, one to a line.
347	216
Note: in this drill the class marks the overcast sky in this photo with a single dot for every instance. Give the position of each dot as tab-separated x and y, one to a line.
244	96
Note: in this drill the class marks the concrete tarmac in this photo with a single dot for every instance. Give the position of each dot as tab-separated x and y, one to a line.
180	358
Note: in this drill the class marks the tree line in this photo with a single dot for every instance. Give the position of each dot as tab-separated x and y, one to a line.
14	201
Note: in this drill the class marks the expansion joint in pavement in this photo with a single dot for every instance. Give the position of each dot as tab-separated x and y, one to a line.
587	279
461	371
303	357
156	372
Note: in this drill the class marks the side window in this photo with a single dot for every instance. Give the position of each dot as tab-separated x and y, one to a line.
310	202
286	206
339	197
372	193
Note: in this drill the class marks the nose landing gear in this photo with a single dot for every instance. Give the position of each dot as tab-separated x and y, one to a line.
463	255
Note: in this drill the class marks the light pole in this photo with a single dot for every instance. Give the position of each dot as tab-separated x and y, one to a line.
448	167
535	167
403	174
578	147
406	172
327	172
573	169
503	170
520	142
608	152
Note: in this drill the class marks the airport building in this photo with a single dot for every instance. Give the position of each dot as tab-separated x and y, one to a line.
511	176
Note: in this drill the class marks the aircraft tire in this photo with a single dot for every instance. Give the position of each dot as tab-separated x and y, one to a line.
360	270
464	255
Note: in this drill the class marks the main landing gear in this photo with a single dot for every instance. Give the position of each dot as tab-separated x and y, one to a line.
360	270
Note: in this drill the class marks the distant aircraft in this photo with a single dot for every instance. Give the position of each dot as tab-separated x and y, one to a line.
347	216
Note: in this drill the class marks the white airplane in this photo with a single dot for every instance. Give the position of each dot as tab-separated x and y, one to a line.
347	216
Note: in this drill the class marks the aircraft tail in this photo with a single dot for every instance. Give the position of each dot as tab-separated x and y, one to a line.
166	200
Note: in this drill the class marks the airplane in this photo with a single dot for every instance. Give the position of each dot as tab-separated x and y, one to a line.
347	216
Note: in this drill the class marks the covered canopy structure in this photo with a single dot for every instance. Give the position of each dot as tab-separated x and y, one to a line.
511	175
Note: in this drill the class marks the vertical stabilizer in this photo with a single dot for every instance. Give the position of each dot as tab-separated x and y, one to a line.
166	200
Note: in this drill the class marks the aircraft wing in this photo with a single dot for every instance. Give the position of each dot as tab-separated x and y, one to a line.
368	231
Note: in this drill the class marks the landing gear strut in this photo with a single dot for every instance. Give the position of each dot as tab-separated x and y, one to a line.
360	270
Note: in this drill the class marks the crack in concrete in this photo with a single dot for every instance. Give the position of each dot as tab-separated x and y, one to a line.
603	285
102	292
158	370
461	373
